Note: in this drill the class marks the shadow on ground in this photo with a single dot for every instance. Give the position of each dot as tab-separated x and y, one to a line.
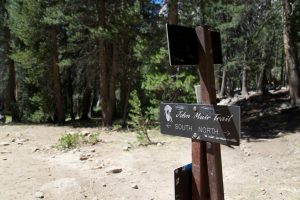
89	123
267	116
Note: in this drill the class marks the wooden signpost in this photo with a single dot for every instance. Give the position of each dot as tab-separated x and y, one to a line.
208	125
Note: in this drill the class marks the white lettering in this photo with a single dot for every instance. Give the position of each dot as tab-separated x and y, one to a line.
207	130
223	118
183	127
201	116
183	115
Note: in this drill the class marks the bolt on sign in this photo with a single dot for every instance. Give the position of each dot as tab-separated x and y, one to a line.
211	123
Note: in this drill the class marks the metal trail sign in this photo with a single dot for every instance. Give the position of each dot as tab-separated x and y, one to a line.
219	124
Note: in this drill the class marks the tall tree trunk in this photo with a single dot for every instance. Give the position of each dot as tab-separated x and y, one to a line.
244	82
70	94
112	86
125	106
11	85
262	76
95	99
231	86
173	12
86	103
290	50
124	86
108	64
282	71
11	91
244	73
223	85
101	10
126	76
218	76
56	87
262	81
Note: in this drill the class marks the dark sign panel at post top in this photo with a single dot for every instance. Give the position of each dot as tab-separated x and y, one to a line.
219	124
182	45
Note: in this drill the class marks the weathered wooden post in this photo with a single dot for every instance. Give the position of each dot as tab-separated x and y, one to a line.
207	124
206	151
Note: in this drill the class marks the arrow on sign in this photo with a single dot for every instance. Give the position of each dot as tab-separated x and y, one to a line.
227	133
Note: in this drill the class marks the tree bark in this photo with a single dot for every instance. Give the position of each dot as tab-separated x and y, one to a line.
218	75
124	87
244	73
262	76
244	82
102	62
262	82
223	85
231	85
56	87
86	104
125	106
11	85
290	50
112	86
126	75
108	53
70	94
173	12
282	71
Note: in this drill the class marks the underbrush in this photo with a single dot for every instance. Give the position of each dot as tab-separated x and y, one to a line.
73	140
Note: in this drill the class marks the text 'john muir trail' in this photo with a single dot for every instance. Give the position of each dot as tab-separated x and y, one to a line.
201	116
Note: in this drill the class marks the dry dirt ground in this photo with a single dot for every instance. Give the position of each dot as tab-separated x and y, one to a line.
31	169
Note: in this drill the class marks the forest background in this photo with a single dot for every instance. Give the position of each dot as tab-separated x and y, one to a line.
64	60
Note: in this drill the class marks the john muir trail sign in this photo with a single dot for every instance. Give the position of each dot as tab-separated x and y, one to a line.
207	124
219	124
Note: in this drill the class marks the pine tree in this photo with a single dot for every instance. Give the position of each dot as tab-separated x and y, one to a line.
10	97
291	51
35	32
2	55
137	120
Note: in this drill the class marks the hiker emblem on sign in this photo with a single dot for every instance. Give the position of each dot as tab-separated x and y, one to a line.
168	110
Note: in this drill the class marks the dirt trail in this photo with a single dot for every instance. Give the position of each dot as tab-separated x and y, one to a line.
31	169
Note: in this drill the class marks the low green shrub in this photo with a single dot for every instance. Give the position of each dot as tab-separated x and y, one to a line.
71	141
